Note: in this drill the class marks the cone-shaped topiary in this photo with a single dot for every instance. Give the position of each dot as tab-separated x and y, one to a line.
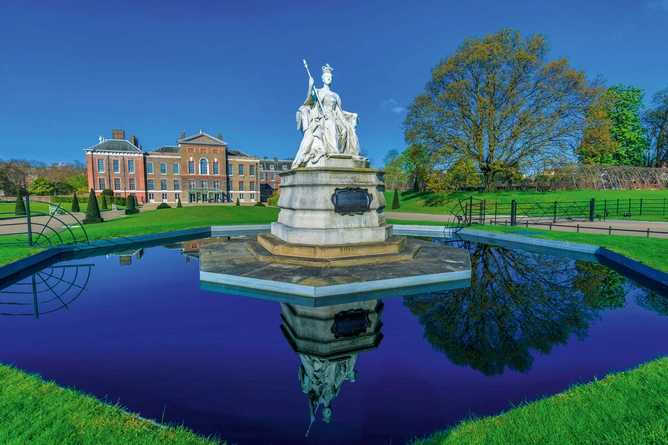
395	200
104	205
238	203
20	207
131	206
163	205
93	211
178	203
75	203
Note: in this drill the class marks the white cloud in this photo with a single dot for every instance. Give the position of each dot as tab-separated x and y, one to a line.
660	5
392	105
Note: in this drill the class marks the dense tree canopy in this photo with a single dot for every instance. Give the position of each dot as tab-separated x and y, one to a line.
655	119
41	186
501	103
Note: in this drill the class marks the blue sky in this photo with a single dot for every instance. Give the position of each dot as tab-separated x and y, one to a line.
72	71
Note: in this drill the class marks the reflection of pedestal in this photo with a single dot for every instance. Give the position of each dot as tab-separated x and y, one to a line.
333	331
328	341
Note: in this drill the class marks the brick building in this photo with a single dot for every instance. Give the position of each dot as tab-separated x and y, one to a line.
269	178
195	170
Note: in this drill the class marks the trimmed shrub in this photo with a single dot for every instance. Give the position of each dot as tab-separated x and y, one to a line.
20	207
259	204
104	205
178	203
107	192
131	208
273	199
238	203
395	200
75	203
93	211
163	205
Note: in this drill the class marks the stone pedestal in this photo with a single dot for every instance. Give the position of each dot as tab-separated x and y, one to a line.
308	214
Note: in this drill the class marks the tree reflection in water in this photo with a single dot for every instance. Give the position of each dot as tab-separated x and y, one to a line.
518	301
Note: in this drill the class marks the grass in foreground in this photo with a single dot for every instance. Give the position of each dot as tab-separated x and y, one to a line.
650	251
37	412
625	408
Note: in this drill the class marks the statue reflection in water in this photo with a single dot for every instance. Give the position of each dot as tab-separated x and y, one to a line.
328	341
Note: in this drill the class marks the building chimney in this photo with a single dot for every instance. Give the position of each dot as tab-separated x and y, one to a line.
275	158
134	141
220	136
183	134
118	134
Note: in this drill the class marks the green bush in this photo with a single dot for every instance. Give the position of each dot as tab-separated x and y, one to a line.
93	211
131	208
238	203
84	200
178	203
273	200
163	205
104	205
107	192
259	204
395	200
75	203
20	207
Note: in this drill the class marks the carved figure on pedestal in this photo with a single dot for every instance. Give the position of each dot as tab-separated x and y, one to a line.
326	127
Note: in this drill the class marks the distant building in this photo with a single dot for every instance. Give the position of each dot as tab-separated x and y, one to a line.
269	178
200	168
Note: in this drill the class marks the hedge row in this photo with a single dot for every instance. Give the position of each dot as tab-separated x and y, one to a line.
84	200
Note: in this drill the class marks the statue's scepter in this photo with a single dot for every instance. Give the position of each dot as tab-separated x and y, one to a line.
314	92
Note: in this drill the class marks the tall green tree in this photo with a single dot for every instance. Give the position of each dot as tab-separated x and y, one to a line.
416	161
500	102
655	120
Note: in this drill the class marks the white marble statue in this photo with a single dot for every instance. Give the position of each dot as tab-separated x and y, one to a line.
326	127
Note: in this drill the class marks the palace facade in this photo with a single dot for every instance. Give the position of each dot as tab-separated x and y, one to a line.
200	168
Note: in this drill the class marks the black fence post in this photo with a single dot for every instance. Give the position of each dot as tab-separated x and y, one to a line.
554	216
496	204
28	221
471	210
664	206
513	212
592	209
605	209
640	207
617	212
483	212
629	205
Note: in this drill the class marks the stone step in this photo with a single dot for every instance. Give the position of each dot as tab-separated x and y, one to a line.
394	244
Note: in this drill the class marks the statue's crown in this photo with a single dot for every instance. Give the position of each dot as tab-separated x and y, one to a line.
327	69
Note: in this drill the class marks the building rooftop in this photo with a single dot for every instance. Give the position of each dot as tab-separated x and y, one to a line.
231	152
201	138
167	149
115	145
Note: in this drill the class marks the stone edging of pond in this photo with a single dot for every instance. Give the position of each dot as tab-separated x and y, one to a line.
620	263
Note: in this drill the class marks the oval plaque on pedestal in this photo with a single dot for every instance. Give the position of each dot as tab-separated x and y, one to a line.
350	323
351	201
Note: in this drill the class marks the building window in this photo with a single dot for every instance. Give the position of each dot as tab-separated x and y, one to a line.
102	184
191	185
175	167
241	197
261	176
163	168
252	186
241	170
131	167
177	184
203	166
271	167
164	197
273	177
163	184
117	184
251	170
149	168
151	184
215	168
229	170
116	166
151	197
205	184
216	184
177	197
132	184
191	167
100	165
241	186
252	197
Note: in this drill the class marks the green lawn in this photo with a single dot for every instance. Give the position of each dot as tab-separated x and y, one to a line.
625	408
40	413
655	202
650	251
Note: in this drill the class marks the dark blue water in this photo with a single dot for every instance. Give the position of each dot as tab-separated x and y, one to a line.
146	336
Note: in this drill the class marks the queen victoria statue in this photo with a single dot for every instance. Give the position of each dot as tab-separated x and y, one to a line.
326	127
